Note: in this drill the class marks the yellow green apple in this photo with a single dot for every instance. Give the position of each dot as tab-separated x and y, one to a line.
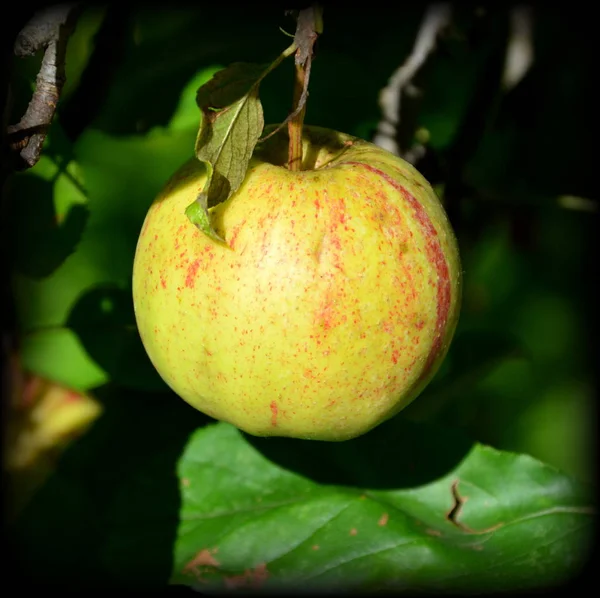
329	307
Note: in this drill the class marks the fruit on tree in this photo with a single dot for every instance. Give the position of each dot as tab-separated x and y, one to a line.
329	307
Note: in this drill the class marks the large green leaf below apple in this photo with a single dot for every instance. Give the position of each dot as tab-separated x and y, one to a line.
246	522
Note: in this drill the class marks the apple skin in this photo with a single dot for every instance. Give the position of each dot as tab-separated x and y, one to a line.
329	308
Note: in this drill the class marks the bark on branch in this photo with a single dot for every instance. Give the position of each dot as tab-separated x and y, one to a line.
436	19
49	30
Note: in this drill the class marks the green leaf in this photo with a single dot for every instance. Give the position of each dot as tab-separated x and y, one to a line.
246	522
58	355
232	122
230	85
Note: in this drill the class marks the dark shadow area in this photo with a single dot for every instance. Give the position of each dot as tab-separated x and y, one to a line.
473	354
108	517
104	320
168	51
40	243
110	45
397	454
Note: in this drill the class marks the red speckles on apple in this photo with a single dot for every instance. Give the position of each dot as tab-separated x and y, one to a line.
236	232
326	313
274	413
191	274
335	241
163	282
209	253
435	255
338	209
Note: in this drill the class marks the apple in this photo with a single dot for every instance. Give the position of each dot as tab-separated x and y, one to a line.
329	307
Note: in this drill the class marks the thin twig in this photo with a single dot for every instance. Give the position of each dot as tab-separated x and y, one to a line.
295	123
307	31
49	29
436	18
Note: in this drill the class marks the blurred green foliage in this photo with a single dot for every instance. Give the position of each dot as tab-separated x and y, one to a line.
519	374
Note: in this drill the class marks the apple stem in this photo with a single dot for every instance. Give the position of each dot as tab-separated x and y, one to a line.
310	24
295	124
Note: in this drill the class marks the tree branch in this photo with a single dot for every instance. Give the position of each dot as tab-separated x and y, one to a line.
436	18
520	50
49	29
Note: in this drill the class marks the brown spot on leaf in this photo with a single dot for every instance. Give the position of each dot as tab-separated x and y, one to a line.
433	532
383	519
185	482
353	531
316	547
250	578
201	563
